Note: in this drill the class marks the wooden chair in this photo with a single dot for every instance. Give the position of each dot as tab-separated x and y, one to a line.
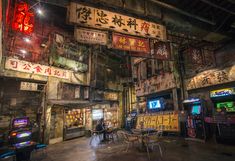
152	140
129	139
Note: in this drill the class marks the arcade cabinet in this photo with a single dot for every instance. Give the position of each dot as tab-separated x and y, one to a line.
224	114
195	124
20	138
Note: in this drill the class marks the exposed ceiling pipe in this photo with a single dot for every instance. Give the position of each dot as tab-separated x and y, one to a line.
173	8
217	6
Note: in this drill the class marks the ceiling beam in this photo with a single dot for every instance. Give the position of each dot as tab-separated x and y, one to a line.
175	9
217	6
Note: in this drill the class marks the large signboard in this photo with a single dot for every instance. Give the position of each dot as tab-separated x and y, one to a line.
91	36
156	84
211	77
164	122
28	67
130	43
98	18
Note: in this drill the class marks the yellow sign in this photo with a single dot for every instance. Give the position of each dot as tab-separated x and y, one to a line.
165	122
98	18
222	92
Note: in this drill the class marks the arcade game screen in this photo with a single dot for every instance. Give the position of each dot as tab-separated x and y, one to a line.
228	105
196	109
20	123
154	104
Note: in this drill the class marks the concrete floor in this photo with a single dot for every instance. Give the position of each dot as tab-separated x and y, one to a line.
175	149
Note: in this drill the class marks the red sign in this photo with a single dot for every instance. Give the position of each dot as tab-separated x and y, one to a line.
162	50
130	43
23	19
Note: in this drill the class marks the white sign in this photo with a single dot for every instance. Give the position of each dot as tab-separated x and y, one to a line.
28	67
97	18
97	114
28	86
90	36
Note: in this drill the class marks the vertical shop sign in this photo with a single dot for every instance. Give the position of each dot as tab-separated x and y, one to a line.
130	43
91	36
162	50
98	18
23	19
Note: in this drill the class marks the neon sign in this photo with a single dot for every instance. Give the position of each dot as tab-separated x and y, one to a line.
23	19
222	92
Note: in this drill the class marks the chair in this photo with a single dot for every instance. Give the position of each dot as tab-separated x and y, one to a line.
40	150
129	139
95	134
151	140
8	155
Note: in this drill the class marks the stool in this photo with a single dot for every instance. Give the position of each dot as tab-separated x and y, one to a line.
7	156
39	149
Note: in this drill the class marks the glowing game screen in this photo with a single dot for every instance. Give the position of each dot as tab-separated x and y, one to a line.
196	109
228	105
19	123
154	104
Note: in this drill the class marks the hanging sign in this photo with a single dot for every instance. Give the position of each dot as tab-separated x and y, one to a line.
98	18
130	43
156	84
28	67
112	96
91	36
211	77
162	50
23	19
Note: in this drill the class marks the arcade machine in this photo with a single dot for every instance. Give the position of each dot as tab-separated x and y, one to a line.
224	114
195	124
20	138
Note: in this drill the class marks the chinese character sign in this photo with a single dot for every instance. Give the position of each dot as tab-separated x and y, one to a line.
28	67
23	19
91	36
211	77
162	50
97	18
130	43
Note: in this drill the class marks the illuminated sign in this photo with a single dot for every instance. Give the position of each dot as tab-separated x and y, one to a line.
23	19
130	43
222	92
22	135
98	18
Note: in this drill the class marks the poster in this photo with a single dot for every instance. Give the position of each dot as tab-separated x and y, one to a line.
99	18
130	43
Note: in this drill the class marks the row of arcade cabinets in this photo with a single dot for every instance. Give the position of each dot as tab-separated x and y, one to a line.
220	121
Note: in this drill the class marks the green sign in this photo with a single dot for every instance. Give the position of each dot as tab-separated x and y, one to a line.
228	105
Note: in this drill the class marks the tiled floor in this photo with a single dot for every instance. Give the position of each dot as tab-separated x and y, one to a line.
174	149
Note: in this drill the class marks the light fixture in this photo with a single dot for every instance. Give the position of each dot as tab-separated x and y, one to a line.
39	11
23	51
26	39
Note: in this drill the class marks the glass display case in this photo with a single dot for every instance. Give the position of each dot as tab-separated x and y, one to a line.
74	123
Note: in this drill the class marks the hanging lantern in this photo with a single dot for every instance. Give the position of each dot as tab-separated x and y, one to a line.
23	19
